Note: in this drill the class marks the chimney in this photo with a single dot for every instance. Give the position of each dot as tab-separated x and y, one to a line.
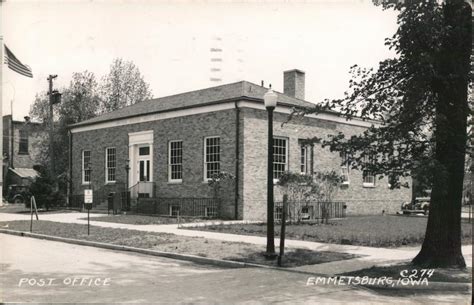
293	83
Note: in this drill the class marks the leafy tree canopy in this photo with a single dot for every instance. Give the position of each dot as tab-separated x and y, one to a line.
86	98
123	86
401	97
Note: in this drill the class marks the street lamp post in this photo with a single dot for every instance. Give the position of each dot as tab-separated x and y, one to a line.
270	99
88	206
127	192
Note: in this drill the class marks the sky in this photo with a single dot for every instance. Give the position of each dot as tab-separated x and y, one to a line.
171	42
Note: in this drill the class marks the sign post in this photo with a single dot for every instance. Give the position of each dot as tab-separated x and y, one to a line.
33	204
282	232
88	199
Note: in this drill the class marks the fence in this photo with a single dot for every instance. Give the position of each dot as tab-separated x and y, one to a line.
76	202
100	199
199	207
308	211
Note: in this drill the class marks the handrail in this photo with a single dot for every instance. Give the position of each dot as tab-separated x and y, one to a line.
142	187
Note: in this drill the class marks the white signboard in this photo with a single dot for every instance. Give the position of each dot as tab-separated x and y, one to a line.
87	196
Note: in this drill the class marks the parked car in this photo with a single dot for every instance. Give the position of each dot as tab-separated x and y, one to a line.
419	205
18	193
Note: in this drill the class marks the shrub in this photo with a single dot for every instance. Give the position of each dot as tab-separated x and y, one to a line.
44	191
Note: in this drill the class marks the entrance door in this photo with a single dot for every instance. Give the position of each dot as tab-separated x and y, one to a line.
140	152
143	164
143	170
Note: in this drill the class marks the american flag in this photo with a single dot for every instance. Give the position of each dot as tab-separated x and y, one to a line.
16	65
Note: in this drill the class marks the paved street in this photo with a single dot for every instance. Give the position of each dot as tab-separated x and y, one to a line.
127	277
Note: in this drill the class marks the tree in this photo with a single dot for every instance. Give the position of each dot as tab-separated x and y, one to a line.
222	185
420	101
298	188
327	184
39	110
80	101
123	86
302	189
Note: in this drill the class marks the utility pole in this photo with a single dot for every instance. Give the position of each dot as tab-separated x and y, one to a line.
12	137
51	124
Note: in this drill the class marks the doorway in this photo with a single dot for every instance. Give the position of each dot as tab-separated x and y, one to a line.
143	165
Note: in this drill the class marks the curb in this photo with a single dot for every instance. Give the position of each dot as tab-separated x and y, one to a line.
177	256
193	258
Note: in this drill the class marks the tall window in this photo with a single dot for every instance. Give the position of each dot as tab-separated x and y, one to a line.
175	161
345	167
212	157
303	159
110	164
86	163
280	157
368	177
23	149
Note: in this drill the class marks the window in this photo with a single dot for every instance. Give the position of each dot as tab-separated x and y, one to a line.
174	210
23	149
368	177
345	167
110	164
306	212
303	160
212	157
345	175
280	157
144	151
175	161
86	163
278	213
211	211
394	179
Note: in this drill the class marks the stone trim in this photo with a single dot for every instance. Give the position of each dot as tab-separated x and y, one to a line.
212	108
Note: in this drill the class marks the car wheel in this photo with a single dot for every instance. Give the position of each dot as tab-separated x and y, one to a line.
18	200
426	209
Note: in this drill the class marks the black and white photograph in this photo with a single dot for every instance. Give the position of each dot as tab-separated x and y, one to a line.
236	151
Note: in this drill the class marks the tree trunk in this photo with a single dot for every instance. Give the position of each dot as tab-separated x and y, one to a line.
442	243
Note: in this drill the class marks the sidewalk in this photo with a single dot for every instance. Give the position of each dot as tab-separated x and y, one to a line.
369	256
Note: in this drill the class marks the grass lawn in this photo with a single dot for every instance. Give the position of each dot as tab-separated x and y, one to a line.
438	275
144	220
21	209
373	231
242	252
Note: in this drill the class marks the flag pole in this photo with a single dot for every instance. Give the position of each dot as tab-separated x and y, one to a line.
1	112
2	60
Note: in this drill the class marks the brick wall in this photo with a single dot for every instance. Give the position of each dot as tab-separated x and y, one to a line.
294	83
360	200
190	129
36	135
252	159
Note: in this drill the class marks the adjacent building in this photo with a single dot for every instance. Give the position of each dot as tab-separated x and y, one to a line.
21	150
168	148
